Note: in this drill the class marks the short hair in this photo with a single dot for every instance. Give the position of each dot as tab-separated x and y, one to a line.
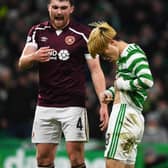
99	38
71	1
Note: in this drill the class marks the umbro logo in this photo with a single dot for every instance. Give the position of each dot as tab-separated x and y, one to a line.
43	39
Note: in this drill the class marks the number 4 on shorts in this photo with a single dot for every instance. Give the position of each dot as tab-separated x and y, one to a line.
79	124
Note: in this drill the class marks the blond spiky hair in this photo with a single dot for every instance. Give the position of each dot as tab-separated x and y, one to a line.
99	37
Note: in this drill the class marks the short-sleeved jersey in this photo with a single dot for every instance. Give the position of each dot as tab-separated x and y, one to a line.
62	79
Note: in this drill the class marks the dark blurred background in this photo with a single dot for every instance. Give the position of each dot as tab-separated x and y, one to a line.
141	21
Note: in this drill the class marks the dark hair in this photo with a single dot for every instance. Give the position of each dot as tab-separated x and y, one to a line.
71	1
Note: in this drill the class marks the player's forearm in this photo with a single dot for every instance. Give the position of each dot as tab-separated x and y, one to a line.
135	84
144	78
122	84
26	61
142	82
99	82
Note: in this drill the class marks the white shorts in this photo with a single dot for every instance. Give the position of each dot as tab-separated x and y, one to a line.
50	122
125	131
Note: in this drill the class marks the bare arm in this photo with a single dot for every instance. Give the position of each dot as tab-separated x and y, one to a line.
97	75
31	55
99	85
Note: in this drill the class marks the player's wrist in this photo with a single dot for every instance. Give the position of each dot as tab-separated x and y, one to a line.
103	105
33	57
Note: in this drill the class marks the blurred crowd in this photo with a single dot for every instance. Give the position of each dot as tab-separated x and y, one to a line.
140	21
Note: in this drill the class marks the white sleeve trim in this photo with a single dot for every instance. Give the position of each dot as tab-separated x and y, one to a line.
88	56
32	44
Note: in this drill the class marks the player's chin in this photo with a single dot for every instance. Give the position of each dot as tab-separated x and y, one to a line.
59	23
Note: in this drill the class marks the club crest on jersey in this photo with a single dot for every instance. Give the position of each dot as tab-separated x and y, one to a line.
69	40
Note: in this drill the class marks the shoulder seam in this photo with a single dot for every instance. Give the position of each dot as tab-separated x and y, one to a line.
80	33
42	28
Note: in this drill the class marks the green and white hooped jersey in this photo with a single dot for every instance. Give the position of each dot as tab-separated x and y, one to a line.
133	68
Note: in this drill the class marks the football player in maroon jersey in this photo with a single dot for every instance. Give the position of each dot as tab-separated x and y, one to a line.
60	48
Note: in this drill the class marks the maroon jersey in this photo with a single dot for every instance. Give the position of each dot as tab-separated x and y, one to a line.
62	79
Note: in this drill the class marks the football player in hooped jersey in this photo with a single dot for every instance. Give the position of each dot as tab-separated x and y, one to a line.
133	78
60	48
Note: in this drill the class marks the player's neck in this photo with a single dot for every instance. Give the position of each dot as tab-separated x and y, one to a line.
122	45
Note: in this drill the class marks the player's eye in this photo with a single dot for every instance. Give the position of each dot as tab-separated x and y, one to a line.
55	7
64	7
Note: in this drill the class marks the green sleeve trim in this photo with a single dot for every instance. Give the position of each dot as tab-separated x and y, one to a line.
112	90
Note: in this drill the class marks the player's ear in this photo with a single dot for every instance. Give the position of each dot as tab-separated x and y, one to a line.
72	9
48	7
112	41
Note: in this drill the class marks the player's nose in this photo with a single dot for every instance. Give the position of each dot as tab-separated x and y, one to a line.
59	11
